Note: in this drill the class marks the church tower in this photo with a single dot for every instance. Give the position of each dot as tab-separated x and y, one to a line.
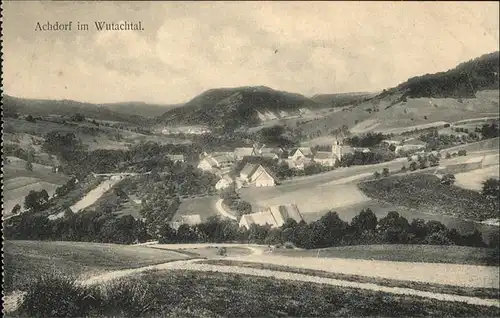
337	148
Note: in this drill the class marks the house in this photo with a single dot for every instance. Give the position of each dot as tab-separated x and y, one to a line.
239	153
275	216
268	153
303	152
176	158
256	175
325	158
224	182
298	164
207	164
218	163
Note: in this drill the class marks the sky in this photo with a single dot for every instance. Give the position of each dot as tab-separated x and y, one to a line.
189	47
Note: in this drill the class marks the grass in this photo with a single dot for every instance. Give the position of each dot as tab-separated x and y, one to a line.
206	252
208	294
405	253
426	191
26	260
436	288
473	180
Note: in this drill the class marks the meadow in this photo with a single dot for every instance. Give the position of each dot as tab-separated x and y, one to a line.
209	294
24	261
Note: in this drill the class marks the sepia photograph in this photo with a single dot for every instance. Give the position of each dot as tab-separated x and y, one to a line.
250	159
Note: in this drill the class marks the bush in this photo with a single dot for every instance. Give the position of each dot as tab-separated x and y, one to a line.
462	152
128	298
51	296
289	245
222	251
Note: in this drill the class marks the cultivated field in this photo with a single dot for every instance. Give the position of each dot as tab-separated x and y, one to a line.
473	180
18	181
26	260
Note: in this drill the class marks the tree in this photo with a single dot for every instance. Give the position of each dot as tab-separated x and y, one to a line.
393	228
385	172
462	152
376	174
365	221
392	147
448	156
28	166
448	179
77	117
413	166
491	188
36	200
30	118
403	168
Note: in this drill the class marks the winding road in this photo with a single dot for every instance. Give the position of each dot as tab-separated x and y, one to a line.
449	274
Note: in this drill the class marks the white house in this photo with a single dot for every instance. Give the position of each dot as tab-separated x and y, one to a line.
256	175
207	164
301	153
241	152
220	163
190	220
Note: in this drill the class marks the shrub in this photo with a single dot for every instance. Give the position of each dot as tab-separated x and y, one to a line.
128	298
289	245
385	172
462	152
448	179
222	251
376	174
52	296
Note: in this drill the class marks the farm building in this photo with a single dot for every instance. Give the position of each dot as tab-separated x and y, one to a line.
217	163
275	216
256	175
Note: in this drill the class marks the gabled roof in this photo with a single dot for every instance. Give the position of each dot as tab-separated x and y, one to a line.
275	216
259	218
223	158
306	151
249	169
211	161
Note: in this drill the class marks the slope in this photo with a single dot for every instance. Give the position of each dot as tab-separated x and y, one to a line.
230	108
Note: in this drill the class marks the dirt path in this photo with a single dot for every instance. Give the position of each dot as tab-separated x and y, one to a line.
220	209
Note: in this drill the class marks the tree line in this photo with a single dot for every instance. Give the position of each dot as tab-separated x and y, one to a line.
328	231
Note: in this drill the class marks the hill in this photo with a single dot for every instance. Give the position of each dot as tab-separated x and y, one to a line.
144	109
460	82
342	99
230	108
26	260
45	107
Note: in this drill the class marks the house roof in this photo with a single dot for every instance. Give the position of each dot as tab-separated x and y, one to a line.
211	161
223	158
249	169
177	157
259	218
305	150
275	216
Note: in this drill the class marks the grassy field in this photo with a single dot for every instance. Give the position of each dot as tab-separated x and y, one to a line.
209	294
26	260
405	253
447	289
488	144
212	251
425	191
